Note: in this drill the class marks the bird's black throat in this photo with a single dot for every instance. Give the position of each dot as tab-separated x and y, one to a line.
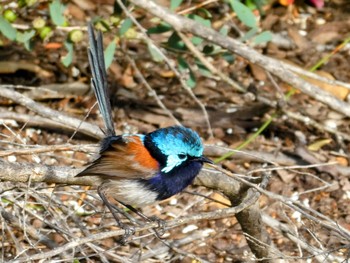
173	182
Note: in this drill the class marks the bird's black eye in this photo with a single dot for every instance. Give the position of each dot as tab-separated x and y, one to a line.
182	156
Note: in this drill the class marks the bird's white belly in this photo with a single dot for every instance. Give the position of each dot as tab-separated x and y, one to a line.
130	192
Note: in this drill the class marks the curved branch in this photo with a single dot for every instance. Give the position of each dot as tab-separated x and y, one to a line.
273	66
83	127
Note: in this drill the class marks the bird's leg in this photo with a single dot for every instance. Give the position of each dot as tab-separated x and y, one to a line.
161	223
128	230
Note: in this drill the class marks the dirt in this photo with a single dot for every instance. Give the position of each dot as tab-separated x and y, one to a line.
306	35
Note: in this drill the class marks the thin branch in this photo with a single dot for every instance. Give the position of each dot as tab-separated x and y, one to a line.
295	205
85	128
274	66
36	149
170	65
217	214
152	91
208	65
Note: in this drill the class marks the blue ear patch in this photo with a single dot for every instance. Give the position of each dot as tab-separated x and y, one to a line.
177	140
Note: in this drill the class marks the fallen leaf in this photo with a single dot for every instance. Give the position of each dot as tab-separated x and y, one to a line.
338	91
342	161
318	144
53	45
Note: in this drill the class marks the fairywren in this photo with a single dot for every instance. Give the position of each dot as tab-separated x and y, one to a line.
138	169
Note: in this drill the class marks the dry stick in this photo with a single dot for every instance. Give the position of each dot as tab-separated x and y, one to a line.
170	65
63	175
288	232
163	249
34	120
220	213
85	128
57	217
62	28
295	205
308	121
312	75
275	67
23	212
36	149
151	90
197	6
208	65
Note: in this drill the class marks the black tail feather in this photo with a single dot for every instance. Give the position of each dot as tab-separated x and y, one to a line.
99	78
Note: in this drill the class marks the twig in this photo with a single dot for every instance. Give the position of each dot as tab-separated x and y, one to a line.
152	91
208	65
220	213
308	121
295	205
320	255
35	149
274	66
170	65
85	128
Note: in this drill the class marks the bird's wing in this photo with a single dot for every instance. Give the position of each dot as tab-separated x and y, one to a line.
123	157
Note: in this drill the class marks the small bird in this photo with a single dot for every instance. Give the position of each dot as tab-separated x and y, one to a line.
138	169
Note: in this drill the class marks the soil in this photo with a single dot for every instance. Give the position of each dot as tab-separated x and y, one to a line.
303	36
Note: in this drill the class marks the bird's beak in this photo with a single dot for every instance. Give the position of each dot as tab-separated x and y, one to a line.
204	160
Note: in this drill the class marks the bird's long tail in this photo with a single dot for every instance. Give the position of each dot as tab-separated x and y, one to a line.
99	78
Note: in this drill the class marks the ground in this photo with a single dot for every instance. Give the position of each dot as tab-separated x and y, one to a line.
303	132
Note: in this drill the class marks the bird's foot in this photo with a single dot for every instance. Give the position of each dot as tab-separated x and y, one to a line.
160	230
129	231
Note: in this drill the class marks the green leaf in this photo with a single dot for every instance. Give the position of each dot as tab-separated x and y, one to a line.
56	13
244	14
251	33
201	20
228	57
125	26
175	4
67	59
175	42
109	53
203	69
196	41
25	38
205	12
7	29
156	56
263	37
205	22
185	68
224	30
159	29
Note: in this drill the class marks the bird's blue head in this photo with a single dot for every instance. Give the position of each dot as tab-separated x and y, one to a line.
174	146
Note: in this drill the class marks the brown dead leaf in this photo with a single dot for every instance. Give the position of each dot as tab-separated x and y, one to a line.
342	160
13	66
127	79
286	176
76	12
258	72
53	45
220	198
167	74
85	4
298	39
338	91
